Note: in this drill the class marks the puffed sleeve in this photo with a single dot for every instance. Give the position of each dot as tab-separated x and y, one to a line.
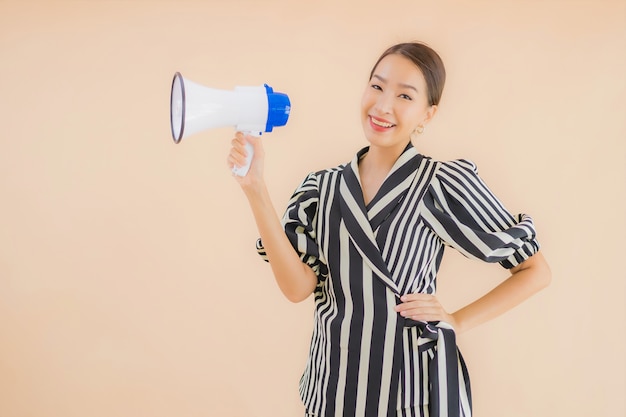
466	215
300	224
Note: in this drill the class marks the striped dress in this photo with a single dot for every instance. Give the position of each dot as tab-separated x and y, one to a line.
366	360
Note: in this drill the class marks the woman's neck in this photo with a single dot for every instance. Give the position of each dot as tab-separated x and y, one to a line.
380	160
374	168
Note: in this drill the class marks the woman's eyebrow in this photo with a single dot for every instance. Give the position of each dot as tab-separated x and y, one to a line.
403	85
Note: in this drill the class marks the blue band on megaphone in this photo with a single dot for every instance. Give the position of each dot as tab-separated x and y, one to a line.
278	110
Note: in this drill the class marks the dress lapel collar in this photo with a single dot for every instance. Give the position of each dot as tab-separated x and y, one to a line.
358	218
395	187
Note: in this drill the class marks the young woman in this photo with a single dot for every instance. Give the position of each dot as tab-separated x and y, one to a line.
367	238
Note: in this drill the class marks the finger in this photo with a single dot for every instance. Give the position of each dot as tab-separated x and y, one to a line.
239	144
417	297
424	315
426	318
409	304
231	161
234	158
244	138
238	152
418	307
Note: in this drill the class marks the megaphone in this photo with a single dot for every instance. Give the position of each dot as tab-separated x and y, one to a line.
252	110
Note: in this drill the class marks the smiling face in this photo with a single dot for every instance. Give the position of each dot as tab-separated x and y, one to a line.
395	103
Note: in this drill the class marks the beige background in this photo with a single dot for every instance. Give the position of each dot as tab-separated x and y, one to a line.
129	283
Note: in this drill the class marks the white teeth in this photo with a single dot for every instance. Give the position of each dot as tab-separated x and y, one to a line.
381	124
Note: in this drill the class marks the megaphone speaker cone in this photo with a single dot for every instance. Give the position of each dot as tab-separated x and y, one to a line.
177	107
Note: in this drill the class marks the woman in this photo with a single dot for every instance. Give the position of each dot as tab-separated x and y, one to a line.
369	238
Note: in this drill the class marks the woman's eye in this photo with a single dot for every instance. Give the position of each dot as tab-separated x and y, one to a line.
376	87
404	96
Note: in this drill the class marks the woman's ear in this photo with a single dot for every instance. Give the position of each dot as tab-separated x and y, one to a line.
430	113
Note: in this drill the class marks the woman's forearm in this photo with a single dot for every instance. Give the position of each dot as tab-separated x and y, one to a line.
295	279
527	278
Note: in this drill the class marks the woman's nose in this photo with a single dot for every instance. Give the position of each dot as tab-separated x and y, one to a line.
384	103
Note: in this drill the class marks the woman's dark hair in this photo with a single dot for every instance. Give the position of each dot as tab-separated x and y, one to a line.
427	60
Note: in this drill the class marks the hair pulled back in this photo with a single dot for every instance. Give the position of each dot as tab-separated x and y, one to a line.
429	63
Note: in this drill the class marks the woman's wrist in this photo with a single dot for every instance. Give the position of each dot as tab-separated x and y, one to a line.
255	190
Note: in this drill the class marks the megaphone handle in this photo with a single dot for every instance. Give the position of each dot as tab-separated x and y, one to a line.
243	170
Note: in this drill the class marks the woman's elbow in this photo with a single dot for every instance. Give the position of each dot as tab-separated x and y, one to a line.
535	270
545	276
541	272
296	295
300	290
544	273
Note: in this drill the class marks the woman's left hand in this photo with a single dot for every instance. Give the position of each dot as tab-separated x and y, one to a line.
424	307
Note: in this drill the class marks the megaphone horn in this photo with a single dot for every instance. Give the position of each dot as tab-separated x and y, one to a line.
252	110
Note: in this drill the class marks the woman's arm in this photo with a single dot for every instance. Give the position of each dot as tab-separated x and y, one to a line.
526	279
294	278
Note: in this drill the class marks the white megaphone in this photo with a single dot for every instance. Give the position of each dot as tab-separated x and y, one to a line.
252	110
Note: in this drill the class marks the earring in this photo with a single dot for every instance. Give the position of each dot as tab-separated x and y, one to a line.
418	131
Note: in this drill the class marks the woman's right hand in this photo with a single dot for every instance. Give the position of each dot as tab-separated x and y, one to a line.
237	158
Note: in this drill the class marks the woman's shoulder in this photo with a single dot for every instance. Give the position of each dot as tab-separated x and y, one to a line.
456	167
314	179
328	172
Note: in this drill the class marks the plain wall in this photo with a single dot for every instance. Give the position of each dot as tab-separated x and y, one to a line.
129	282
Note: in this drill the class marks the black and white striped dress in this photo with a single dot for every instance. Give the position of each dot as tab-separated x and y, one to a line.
365	359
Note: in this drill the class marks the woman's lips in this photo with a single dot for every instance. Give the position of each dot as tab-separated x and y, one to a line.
380	125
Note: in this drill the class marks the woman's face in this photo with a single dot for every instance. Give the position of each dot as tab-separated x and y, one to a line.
395	103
